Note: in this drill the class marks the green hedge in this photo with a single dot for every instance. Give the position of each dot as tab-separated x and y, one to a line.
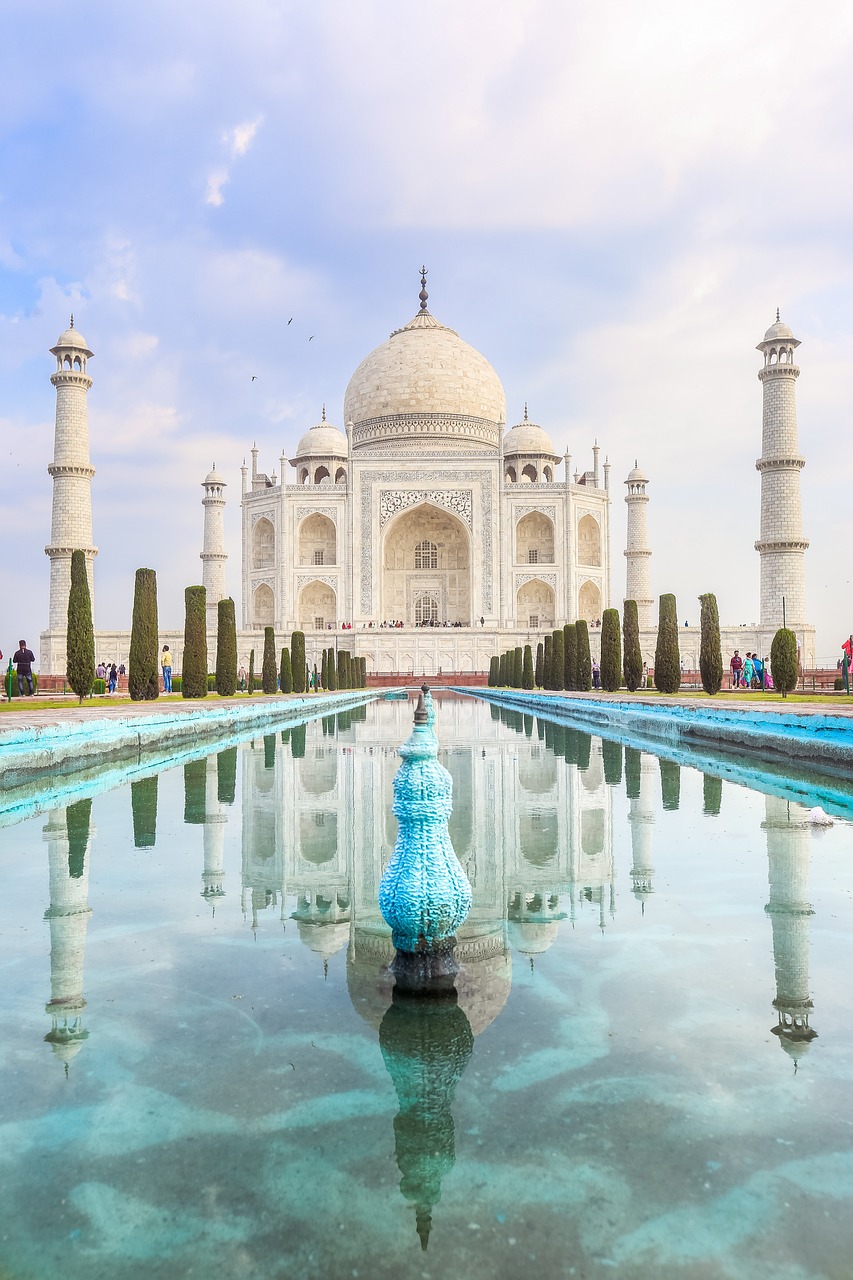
15	684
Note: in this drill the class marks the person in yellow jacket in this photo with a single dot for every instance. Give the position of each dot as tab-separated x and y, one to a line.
166	664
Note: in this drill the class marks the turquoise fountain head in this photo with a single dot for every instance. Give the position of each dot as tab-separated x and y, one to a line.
424	895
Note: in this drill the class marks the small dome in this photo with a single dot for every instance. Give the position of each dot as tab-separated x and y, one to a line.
322	441
532	938
71	339
213	477
777	331
527	437
636	476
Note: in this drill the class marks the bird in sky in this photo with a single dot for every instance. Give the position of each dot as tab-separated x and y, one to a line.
254	377
311	339
290	321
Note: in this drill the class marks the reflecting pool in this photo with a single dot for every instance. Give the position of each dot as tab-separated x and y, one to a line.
646	1067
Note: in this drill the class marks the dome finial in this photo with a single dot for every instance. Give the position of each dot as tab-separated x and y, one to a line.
525	411
71	326
324	411
777	315
423	295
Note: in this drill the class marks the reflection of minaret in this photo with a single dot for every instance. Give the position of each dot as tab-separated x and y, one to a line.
215	819
788	849
641	817
426	1042
67	834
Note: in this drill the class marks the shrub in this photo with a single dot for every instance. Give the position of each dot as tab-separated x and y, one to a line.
331	672
297	661
838	683
342	669
99	686
285	673
557	660
583	661
667	660
710	650
527	672
783	661
632	663
570	656
548	668
80	636
611	651
269	675
226	649
143	670
539	671
194	670
517	667
494	664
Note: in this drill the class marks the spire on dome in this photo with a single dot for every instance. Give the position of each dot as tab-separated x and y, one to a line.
778	317
423	295
525	411
324	411
71	326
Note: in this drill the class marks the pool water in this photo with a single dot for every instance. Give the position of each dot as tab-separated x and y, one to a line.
646	1069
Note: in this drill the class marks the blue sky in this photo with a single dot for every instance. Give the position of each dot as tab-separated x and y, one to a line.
612	201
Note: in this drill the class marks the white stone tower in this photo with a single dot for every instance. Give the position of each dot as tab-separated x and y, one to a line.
68	833
781	544
637	551
71	523
215	819
788	850
641	819
213	556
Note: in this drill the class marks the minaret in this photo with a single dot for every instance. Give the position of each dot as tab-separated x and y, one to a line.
213	557
68	832
641	819
71	521
215	819
637	552
781	544
788	849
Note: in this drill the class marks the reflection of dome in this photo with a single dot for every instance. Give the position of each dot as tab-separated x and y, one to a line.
483	982
425	381
532	939
324	939
322	441
527	437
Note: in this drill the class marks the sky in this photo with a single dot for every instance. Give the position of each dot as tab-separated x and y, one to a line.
612	201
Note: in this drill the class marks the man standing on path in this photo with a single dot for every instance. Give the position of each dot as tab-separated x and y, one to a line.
736	665
23	660
166	664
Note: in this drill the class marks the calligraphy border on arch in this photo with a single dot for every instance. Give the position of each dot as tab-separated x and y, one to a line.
372	478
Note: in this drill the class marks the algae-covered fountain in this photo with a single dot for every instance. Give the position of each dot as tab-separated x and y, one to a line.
425	1037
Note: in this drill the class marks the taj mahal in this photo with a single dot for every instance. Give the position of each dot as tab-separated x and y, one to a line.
427	531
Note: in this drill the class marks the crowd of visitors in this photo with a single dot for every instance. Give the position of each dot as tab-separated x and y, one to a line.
750	672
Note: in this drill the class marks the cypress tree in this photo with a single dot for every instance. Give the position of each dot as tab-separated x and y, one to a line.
557	660
78	821
269	750
527	674
316	677
547	673
670	783
584	748
297	741
331	672
493	671
539	673
633	662
570	656
195	792
194	670
226	775
712	794
611	755
323	672
667	660
226	649
783	661
80	636
252	671
710	649
143	806
269	675
611	651
342	668
143	672
285	673
583	661
633	765
297	661
518	667
502	671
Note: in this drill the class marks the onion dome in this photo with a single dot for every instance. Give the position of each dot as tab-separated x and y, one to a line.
213	477
528	438
636	476
778	332
73	340
322	441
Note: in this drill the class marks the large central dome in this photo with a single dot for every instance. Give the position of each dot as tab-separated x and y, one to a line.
425	386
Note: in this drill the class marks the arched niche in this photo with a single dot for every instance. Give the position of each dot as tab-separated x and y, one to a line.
510	476
538	835
534	539
317	540
322	475
589	541
426	551
529	474
263	544
534	607
263	606
341	475
317	607
589	602
318	836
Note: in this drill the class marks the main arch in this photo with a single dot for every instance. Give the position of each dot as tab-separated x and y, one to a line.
426	568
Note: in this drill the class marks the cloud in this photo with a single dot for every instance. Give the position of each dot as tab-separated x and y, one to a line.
237	142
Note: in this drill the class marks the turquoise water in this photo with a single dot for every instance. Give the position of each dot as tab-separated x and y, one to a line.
647	1071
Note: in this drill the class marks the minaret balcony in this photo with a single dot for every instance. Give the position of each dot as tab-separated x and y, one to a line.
790	463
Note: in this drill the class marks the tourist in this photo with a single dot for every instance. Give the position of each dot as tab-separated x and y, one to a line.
758	668
748	671
166	664
23	660
847	648
122	670
242	676
596	674
113	678
101	671
736	665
